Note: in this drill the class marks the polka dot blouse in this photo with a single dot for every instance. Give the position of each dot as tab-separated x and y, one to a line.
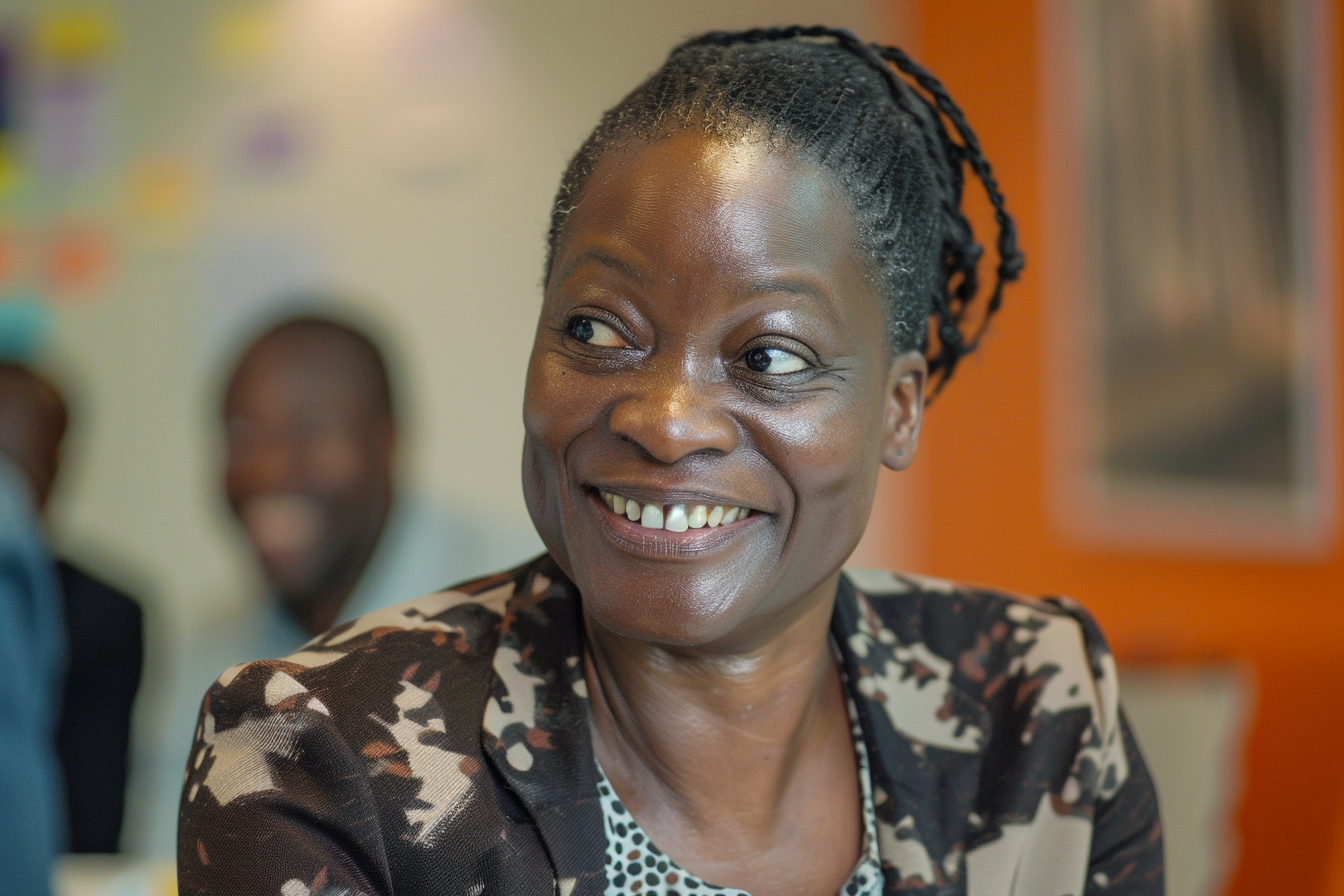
635	865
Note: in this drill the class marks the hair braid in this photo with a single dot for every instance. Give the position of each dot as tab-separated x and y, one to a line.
1011	259
898	148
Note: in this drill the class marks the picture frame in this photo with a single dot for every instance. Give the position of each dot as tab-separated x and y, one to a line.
1191	287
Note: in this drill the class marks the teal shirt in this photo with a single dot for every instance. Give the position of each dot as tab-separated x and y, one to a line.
32	648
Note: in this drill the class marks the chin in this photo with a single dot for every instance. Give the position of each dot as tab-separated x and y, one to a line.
290	576
677	611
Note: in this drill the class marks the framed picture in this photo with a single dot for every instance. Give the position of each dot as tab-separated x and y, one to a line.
1191	286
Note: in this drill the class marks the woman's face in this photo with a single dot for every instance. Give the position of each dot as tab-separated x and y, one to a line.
710	339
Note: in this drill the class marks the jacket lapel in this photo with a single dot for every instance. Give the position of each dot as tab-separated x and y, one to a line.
917	840
535	729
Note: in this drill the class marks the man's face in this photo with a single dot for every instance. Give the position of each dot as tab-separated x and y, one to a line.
32	426
309	460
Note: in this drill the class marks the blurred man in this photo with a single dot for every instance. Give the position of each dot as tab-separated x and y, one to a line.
311	436
311	441
103	631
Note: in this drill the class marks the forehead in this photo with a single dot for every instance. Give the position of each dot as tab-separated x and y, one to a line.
296	372
691	203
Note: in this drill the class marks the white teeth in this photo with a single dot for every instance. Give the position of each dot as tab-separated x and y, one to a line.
676	518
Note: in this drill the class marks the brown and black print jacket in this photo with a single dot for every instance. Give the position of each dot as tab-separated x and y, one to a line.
442	747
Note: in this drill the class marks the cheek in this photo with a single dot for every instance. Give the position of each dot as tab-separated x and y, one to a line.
551	420
337	464
546	421
248	474
560	404
831	457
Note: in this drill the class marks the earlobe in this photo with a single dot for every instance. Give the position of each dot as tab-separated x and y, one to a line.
904	409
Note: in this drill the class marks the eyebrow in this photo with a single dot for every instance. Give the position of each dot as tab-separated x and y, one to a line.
798	286
603	258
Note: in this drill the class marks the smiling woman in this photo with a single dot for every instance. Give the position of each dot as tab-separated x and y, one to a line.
739	367
758	266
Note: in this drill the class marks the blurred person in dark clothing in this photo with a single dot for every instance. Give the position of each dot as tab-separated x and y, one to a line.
103	630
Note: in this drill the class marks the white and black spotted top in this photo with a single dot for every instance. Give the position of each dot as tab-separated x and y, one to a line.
636	865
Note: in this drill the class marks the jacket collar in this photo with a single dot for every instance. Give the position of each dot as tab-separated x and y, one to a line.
535	733
891	680
535	728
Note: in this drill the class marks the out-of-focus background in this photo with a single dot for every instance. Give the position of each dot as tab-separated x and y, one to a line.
1150	427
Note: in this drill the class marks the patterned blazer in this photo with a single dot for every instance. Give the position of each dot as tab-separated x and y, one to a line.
442	747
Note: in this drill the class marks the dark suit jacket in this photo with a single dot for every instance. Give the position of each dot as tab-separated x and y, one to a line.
105	650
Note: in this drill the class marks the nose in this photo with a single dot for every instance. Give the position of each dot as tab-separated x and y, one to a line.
265	464
672	416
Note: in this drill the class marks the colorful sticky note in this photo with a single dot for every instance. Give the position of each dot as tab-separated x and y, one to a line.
76	36
245	36
161	192
79	261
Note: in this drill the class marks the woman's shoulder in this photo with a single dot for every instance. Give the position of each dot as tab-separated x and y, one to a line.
455	631
988	651
376	730
961	614
1028	685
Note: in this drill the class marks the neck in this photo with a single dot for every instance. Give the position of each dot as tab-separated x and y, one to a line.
688	736
317	610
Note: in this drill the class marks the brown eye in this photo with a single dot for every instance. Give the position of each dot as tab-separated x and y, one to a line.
581	328
592	331
774	361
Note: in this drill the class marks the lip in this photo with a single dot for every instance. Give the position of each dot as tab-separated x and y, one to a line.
661	543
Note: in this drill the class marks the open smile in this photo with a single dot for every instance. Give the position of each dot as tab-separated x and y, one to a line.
671	529
674	517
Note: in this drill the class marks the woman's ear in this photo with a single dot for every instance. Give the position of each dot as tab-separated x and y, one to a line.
904	409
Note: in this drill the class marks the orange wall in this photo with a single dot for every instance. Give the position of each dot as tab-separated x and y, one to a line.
980	491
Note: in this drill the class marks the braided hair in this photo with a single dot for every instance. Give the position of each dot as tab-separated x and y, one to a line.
897	146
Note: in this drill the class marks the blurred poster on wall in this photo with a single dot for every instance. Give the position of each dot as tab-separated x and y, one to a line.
1192	193
74	106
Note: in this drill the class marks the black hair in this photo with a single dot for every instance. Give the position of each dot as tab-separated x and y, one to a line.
895	145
